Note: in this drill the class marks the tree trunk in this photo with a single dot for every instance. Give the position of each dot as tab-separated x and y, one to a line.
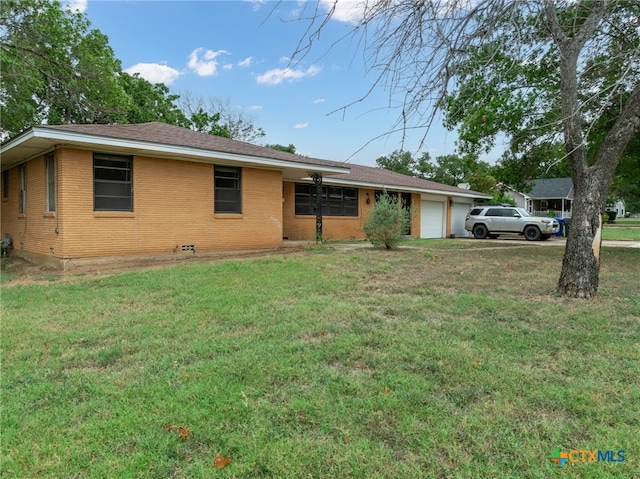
581	262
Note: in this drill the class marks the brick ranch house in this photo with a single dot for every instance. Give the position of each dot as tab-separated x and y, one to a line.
89	191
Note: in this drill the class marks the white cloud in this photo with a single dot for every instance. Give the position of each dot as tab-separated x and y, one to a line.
227	66
299	126
348	11
278	75
254	108
246	62
317	101
77	5
155	72
257	4
203	62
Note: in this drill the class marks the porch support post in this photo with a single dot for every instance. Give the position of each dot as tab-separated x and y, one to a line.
317	180
563	207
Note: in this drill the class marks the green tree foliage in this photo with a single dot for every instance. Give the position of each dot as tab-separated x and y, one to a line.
55	68
447	169
403	162
287	149
387	221
205	122
455	169
626	184
149	102
482	182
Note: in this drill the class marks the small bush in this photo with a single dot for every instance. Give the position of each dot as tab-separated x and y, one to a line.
387	221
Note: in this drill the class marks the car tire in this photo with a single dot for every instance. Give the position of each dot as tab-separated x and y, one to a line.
532	233
545	237
480	231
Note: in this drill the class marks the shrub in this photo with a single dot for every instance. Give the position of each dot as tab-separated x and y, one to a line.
387	221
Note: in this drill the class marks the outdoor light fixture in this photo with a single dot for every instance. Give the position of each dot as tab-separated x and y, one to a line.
368	199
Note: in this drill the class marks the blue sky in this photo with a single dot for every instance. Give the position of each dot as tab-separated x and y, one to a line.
239	51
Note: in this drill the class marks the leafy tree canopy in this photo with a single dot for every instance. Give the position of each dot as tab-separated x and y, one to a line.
150	102
55	68
287	149
404	162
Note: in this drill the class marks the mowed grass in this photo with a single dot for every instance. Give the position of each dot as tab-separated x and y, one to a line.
621	233
334	363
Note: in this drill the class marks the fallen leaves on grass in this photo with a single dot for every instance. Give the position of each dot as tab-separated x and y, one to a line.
220	461
181	430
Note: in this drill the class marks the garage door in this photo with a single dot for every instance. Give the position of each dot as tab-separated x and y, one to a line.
432	219
458	215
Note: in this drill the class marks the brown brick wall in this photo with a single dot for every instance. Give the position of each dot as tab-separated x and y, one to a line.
302	227
173	205
33	231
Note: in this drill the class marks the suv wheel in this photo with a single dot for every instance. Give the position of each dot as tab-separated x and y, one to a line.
480	231
531	233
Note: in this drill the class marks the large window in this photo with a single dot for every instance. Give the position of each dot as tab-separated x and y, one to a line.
227	196
336	200
112	183
51	182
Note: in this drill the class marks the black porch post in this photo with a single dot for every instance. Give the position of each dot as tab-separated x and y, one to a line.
317	180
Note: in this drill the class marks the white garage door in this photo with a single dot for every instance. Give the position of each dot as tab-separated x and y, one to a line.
432	219
458	215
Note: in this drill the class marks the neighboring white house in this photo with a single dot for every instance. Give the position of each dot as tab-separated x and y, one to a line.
618	207
552	196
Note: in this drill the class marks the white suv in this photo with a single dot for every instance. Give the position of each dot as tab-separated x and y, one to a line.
492	221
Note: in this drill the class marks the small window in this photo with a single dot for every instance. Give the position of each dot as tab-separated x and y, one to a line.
227	196
5	184
22	207
494	212
51	182
112	183
475	212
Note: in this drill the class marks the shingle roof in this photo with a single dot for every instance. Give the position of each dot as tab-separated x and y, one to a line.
162	133
157	133
389	179
551	188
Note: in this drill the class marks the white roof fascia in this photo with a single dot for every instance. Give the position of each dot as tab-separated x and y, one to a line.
73	137
17	141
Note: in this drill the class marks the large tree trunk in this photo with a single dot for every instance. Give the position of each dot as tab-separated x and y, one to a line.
581	263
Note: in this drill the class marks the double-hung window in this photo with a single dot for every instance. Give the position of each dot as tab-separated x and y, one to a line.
51	182
112	183
227	195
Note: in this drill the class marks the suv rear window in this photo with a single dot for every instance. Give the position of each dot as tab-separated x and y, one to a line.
475	211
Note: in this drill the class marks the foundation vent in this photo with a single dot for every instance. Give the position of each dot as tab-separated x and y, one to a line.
184	248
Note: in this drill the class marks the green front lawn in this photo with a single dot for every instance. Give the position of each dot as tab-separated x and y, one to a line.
327	364
621	233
